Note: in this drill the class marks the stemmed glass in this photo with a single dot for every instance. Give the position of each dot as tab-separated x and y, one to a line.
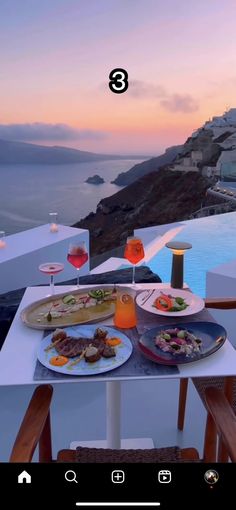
51	268
77	256
134	252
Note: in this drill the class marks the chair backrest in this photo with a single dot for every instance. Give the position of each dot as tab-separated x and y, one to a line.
220	303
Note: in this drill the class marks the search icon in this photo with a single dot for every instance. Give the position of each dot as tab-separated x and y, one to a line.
70	476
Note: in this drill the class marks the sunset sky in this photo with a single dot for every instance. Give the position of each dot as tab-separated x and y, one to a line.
56	56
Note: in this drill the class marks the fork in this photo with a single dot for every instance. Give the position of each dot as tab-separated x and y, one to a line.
146	297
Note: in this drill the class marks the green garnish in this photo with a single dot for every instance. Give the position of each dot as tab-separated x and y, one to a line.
69	300
108	292
178	308
166	336
181	334
179	300
97	294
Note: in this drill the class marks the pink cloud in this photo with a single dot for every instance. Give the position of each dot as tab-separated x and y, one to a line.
180	103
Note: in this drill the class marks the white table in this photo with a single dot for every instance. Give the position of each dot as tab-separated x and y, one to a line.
221	363
24	251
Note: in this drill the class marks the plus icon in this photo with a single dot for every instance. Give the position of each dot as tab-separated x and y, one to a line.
118	476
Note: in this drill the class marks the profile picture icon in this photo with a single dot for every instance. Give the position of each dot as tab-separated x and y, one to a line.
211	476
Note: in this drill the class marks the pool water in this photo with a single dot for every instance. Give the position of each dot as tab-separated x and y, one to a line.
213	242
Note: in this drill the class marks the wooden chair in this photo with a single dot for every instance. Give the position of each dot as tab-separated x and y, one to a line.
228	385
35	430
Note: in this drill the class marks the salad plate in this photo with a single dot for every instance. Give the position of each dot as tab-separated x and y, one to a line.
176	344
170	302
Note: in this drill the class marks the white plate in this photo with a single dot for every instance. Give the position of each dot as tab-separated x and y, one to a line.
123	352
195	303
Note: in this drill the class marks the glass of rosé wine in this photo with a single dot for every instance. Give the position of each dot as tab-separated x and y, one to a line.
77	256
134	252
51	268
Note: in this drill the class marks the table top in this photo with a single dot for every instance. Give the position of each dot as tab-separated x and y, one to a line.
34	239
22	344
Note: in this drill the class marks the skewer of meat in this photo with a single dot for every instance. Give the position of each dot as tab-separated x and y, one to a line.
76	361
49	347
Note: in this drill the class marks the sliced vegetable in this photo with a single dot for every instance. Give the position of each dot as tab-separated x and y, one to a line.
97	293
108	292
69	300
163	303
168	303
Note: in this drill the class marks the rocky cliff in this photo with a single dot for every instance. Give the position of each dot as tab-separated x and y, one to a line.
151	165
155	199
165	196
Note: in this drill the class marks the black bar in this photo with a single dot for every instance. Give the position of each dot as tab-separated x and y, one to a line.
49	488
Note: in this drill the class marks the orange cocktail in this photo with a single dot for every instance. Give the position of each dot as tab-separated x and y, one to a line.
125	313
134	252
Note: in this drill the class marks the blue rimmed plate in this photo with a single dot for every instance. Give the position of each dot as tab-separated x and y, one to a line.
123	352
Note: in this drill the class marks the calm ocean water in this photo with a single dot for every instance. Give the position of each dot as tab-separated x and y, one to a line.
29	192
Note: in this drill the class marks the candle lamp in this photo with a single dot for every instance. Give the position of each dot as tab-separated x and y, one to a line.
53	222
2	239
177	273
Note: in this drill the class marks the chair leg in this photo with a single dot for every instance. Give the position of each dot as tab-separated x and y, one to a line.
45	442
222	452
228	390
183	388
210	442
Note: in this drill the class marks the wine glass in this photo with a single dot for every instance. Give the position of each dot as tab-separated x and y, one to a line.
51	268
134	252
77	256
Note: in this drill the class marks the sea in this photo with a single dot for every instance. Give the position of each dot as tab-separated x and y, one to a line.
28	193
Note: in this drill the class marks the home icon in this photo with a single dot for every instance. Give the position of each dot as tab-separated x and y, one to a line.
24	477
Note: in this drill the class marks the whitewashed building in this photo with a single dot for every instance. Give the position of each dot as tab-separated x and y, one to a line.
189	163
228	119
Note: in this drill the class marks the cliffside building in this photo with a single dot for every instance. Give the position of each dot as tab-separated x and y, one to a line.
189	163
228	119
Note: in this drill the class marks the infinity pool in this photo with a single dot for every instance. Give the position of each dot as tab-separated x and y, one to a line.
214	242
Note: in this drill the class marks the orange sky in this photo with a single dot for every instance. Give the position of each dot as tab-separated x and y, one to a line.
56	57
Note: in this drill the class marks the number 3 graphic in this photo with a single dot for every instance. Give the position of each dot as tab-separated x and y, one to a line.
118	80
